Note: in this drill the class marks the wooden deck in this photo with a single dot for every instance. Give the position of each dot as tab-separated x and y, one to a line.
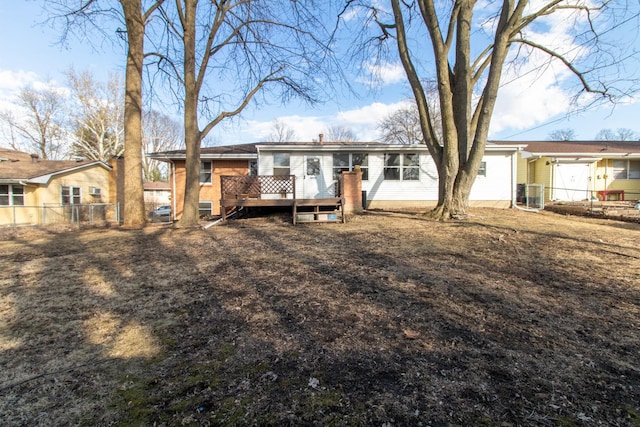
278	191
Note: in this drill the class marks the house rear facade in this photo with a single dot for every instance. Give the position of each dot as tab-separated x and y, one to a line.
393	176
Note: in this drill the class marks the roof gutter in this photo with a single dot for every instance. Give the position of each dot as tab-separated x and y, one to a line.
168	158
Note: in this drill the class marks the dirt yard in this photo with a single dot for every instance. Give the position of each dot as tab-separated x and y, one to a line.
506	318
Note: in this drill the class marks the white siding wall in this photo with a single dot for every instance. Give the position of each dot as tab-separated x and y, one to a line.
265	164
497	185
377	188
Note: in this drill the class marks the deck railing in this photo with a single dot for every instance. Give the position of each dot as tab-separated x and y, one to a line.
254	187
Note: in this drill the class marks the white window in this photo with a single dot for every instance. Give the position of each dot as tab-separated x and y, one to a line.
626	169
205	172
70	195
11	195
401	167
205	208
348	162
281	164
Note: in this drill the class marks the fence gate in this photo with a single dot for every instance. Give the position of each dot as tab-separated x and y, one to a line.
534	196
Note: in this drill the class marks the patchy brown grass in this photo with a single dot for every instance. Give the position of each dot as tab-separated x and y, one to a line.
506	318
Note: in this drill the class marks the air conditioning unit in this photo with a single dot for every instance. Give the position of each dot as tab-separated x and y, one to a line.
94	191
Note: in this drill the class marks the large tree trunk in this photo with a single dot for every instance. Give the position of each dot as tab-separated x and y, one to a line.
134	215
191	130
453	199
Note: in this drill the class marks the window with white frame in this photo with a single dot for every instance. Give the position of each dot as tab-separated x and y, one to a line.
253	168
348	162
205	208
70	195
281	164
11	195
401	167
626	169
205	172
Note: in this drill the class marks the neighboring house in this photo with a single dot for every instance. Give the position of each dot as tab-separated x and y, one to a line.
157	193
581	170
28	185
393	176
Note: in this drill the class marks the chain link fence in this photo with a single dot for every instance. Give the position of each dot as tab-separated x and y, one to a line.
95	213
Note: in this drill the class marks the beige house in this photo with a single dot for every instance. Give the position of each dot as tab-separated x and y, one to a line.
157	193
37	191
581	170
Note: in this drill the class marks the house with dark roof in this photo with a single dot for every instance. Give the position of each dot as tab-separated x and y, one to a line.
157	193
581	170
29	184
310	173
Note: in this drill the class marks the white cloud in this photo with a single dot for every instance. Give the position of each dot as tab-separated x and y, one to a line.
538	89
362	121
305	127
368	114
12	81
382	74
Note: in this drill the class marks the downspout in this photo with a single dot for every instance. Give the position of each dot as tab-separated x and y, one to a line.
173	189
514	179
552	193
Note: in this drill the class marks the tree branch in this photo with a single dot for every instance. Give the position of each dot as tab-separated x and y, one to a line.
245	102
580	75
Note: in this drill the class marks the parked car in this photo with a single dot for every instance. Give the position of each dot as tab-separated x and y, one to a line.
162	213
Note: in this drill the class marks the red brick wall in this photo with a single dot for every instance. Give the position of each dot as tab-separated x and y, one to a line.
207	192
352	190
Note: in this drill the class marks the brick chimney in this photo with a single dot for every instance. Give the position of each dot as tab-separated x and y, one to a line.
34	158
321	139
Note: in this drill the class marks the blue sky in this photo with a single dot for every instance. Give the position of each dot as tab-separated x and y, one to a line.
526	110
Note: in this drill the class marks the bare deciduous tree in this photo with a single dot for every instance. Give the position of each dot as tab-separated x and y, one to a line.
620	134
88	15
401	127
281	132
221	55
340	134
37	126
161	133
566	134
136	18
470	43
97	116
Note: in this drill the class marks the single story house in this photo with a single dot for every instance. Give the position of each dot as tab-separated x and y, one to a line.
393	176
157	193
29	185
581	170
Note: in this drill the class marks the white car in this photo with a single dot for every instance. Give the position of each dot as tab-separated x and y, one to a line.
163	213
